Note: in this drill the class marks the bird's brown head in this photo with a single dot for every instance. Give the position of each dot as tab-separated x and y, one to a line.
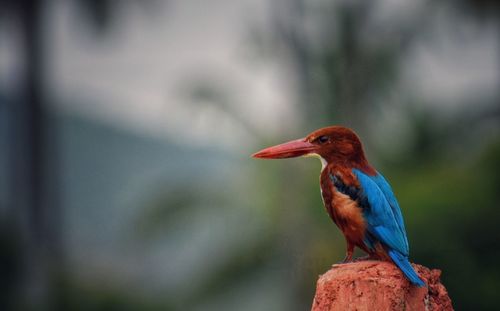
334	144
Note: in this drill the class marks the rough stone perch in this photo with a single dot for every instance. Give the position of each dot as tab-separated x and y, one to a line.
377	285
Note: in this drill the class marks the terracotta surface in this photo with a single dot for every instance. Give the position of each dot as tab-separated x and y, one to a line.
377	285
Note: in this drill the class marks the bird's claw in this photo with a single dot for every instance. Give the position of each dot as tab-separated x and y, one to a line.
367	257
347	259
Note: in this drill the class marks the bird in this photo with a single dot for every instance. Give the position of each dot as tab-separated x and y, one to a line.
357	197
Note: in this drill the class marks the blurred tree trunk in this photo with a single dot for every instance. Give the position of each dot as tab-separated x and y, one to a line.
32	201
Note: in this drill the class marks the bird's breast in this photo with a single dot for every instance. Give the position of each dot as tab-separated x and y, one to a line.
349	216
343	210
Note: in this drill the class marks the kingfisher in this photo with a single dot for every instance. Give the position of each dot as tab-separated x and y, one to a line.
357	198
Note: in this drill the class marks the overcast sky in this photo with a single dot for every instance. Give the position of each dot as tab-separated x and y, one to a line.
136	75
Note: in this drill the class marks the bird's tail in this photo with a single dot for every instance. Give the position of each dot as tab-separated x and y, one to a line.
402	262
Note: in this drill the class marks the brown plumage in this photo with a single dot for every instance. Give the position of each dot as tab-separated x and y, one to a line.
357	198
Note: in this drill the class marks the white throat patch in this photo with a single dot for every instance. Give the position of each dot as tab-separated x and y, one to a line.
315	155
323	165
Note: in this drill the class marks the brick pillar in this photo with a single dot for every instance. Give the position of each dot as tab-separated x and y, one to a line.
377	285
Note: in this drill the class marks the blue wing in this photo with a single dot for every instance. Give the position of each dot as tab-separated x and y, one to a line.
383	215
389	195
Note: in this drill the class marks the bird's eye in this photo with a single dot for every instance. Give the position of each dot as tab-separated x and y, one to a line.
323	139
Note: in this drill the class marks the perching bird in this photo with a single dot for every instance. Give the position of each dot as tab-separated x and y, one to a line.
358	198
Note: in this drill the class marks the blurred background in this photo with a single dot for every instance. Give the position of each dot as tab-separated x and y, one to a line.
126	129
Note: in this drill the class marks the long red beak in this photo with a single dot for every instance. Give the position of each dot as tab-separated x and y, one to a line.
291	149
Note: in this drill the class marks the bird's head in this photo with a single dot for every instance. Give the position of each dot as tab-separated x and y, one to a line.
333	144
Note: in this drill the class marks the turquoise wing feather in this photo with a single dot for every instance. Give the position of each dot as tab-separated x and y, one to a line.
385	221
383	214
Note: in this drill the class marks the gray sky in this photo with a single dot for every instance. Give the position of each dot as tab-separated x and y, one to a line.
134	77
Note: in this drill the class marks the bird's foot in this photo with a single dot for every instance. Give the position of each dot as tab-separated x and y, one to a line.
347	259
367	257
348	254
